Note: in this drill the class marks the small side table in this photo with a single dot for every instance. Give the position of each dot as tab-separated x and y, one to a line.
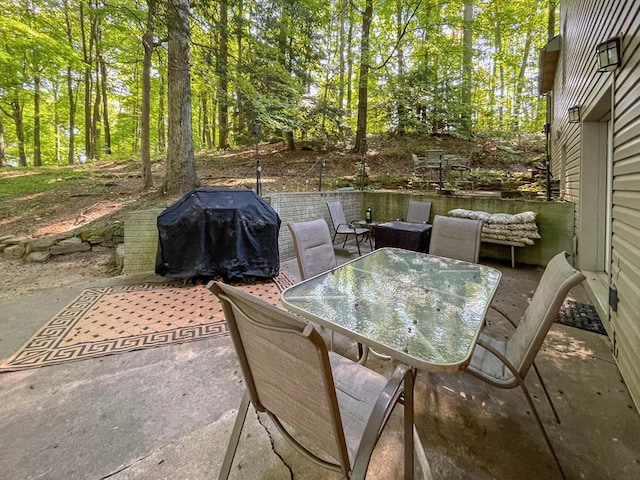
369	225
406	235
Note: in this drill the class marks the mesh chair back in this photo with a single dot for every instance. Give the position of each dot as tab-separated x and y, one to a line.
419	212
558	278
457	238
337	214
286	367
314	248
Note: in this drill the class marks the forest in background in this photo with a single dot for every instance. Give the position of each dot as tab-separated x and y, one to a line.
88	79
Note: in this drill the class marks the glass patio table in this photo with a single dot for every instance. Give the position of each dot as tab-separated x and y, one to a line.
423	310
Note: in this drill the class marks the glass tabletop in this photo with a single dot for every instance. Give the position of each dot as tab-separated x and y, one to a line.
423	310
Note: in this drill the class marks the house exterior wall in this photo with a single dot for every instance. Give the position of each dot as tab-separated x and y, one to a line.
578	150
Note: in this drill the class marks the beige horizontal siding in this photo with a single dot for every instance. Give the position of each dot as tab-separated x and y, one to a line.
588	23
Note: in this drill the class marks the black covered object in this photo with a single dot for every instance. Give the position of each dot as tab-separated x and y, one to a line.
407	235
215	232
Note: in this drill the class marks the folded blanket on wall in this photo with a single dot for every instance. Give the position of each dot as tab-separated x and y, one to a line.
519	227
499	218
526	233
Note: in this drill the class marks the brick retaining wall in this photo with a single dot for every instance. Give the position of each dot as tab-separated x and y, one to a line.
554	221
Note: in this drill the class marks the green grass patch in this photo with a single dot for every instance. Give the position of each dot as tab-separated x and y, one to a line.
18	182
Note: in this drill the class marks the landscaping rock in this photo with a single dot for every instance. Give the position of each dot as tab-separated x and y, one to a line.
109	235
15	240
37	257
15	250
70	241
40	244
69	247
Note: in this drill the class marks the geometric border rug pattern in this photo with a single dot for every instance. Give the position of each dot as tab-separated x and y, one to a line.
109	320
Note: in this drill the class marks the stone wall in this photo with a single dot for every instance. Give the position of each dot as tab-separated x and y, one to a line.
554	219
299	207
40	249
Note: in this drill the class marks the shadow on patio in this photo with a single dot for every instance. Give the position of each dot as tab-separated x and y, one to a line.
167	412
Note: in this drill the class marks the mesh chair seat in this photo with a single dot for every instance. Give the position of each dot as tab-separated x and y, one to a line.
342	227
357	389
494	370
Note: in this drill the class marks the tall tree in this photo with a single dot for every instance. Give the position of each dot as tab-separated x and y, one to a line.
181	169
467	67
3	147
71	89
363	82
162	94
222	70
148	44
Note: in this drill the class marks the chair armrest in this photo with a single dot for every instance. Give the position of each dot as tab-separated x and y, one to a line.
490	348
348	225
496	309
380	414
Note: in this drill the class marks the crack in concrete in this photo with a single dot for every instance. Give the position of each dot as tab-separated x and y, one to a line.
273	447
124	467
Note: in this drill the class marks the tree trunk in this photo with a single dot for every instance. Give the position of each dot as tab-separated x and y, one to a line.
497	46
73	101
145	114
3	146
95	124
361	132
105	107
162	132
37	154
467	68
16	111
551	19
341	68
222	69
401	108
87	48
282	47
521	79
181	172
56	123
240	123
206	126
349	61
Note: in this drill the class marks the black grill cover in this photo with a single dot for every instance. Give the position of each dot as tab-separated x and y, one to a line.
214	232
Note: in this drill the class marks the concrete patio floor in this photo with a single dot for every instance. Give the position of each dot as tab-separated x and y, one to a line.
167	413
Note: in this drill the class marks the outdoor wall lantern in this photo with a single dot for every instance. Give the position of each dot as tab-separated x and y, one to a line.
574	114
608	55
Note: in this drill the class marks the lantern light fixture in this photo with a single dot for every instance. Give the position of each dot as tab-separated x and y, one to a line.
608	54
574	114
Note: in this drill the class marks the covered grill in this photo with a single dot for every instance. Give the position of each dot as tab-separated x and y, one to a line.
214	232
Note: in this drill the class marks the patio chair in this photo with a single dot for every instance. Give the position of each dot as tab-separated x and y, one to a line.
505	363
418	212
457	238
330	409
314	248
342	227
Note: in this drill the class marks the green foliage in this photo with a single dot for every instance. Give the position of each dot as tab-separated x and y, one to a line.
292	67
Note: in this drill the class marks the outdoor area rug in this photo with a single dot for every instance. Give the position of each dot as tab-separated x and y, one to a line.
580	315
109	320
